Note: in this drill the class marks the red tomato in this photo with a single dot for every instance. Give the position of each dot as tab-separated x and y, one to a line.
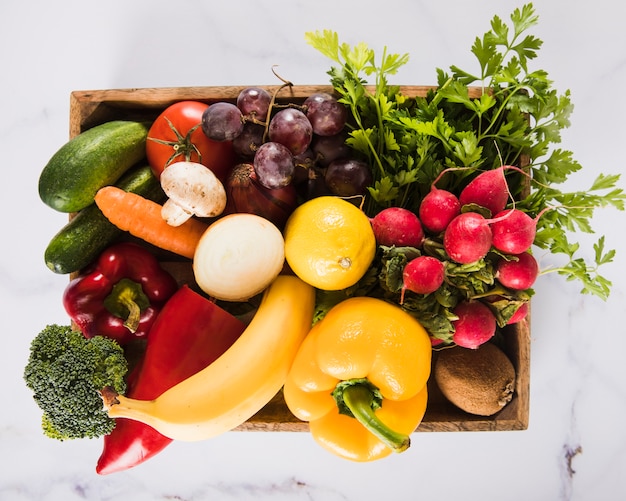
176	135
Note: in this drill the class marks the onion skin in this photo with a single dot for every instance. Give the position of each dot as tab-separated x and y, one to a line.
245	194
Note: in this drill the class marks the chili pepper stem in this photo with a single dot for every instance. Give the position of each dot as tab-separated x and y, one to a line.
358	399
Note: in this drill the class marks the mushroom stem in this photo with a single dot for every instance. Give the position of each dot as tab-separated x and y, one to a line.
174	214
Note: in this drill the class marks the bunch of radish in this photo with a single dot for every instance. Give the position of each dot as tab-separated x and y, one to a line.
459	225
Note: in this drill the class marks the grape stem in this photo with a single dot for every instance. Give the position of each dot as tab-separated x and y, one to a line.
286	83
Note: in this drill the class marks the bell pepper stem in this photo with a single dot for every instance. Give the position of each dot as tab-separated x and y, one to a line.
127	300
134	313
359	398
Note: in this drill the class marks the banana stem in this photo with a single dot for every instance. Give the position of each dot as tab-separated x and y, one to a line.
119	406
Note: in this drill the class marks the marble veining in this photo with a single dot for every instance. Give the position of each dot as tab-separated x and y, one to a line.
575	446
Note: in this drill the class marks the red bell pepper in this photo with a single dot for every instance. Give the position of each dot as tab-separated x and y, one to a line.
120	295
188	335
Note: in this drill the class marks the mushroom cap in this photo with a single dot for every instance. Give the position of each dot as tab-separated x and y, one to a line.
194	188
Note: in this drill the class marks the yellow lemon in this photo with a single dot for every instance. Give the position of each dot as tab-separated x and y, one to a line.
329	243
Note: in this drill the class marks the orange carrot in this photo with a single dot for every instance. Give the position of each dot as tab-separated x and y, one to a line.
142	218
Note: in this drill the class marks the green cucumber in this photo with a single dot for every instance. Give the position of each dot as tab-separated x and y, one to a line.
93	159
82	239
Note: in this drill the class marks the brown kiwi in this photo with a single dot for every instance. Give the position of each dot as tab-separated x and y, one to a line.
479	381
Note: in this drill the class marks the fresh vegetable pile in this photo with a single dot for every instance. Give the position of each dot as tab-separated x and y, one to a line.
333	246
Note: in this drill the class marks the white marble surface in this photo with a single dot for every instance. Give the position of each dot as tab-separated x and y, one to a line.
578	375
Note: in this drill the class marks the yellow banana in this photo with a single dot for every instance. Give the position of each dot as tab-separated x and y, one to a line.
239	383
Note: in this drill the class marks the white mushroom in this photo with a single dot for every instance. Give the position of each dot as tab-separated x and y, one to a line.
192	189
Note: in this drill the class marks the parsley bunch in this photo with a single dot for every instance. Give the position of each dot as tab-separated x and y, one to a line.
504	113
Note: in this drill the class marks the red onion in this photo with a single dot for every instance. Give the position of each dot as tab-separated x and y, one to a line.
245	194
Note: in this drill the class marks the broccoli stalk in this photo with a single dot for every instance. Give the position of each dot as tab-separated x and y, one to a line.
66	371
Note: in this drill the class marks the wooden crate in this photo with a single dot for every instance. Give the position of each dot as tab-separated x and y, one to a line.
90	108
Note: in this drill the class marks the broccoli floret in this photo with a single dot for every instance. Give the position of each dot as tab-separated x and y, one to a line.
66	371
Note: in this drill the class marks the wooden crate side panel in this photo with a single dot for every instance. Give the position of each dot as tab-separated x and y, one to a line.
90	107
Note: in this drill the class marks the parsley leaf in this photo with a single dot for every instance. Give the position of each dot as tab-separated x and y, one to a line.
503	112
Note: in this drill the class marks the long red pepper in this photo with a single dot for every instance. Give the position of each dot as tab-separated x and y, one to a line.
189	334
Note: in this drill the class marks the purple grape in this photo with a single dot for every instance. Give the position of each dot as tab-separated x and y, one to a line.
291	128
255	102
246	143
300	173
305	159
273	164
327	115
329	148
222	121
315	187
347	177
310	183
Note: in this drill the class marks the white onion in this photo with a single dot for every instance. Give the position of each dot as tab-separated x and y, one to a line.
238	257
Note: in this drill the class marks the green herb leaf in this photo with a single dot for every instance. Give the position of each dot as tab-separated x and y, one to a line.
502	112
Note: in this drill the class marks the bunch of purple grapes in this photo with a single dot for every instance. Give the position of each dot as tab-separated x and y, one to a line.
302	144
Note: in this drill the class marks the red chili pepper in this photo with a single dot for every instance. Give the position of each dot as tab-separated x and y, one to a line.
120	295
188	335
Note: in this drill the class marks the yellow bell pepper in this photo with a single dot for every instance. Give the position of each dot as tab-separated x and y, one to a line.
359	379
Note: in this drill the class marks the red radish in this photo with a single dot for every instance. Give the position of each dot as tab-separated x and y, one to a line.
397	226
437	209
488	189
467	238
476	324
435	341
422	275
517	274
519	315
514	233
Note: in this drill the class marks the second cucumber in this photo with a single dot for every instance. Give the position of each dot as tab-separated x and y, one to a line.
93	159
83	238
